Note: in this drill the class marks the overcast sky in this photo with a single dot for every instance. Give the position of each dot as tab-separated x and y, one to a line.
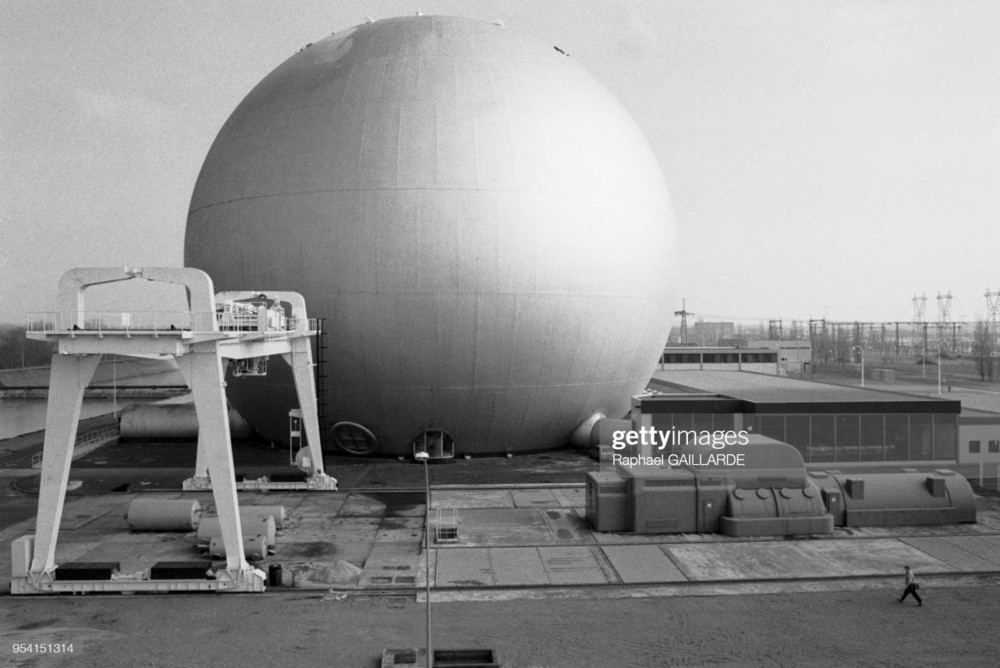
825	159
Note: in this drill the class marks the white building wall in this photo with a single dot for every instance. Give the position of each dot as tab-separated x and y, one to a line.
984	433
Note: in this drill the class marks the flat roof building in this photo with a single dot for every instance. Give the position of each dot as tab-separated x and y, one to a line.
781	356
826	423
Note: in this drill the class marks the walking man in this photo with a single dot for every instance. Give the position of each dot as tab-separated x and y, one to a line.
911	587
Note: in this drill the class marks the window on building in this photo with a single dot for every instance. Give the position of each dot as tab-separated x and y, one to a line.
681	421
723	421
872	438
773	426
797	433
994	446
945	435
973	447
821	449
720	358
897	437
701	421
921	437
847	438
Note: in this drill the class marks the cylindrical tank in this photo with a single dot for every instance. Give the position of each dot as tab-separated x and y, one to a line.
481	223
278	513
152	421
163	515
210	527
254	547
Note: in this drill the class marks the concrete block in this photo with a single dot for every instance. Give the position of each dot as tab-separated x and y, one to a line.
20	556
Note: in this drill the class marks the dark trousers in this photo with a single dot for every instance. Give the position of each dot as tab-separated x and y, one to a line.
911	589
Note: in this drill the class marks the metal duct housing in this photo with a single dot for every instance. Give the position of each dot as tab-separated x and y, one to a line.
145	422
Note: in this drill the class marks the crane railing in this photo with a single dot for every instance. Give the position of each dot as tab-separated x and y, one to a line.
153	322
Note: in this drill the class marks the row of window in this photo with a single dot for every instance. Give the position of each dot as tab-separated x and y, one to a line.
718	358
975	447
842	437
865	437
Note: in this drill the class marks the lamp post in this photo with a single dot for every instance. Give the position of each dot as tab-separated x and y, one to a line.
939	368
423	456
862	352
923	360
114	386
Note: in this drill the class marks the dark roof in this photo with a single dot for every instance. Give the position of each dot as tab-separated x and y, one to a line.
766	393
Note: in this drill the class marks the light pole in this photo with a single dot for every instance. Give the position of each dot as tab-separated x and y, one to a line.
423	456
923	360
861	350
939	368
114	386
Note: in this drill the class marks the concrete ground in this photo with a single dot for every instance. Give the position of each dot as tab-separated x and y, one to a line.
511	538
526	576
859	626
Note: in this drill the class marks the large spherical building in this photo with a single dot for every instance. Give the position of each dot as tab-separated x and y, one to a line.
482	225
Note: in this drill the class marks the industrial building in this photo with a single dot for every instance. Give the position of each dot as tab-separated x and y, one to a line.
782	356
979	437
726	451
979	429
825	423
719	358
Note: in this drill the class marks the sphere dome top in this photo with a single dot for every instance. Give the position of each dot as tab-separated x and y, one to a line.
409	96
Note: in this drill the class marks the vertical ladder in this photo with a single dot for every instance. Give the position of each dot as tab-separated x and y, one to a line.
320	359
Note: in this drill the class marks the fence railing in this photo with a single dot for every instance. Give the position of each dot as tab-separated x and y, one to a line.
154	322
91	437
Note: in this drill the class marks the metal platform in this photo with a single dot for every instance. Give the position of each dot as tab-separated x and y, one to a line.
217	328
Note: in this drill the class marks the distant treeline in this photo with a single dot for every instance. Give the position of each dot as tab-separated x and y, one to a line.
16	351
